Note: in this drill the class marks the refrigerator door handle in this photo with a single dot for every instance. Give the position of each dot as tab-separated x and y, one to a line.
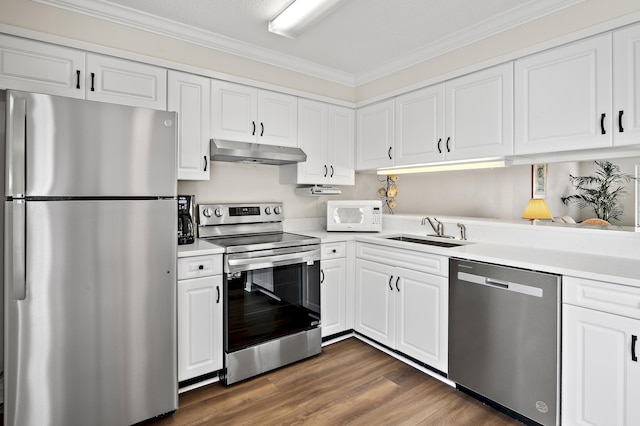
19	246
16	134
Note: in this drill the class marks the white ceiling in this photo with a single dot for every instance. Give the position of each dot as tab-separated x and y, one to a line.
360	41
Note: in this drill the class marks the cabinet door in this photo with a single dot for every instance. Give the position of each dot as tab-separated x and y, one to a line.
119	81
333	294
375	301
189	96
626	86
340	145
40	67
200	349
420	126
374	137
422	317
600	380
480	114
277	119
312	137
563	98
233	111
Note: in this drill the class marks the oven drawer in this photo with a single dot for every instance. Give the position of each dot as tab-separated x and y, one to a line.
333	250
199	266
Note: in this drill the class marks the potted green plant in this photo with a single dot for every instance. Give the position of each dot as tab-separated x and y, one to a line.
602	192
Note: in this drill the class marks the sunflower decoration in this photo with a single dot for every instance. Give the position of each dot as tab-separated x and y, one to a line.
388	191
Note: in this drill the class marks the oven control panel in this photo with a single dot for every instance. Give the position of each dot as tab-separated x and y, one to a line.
230	214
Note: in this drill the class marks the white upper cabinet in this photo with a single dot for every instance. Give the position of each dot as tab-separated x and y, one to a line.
375	135
326	135
465	118
45	68
563	98
115	80
246	114
626	86
189	96
479	114
40	67
420	126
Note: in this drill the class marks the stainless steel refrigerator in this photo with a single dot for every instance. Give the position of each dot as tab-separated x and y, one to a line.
90	262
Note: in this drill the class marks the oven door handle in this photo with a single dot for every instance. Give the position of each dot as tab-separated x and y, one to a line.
249	264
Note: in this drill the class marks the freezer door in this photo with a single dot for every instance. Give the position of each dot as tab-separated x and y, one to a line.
93	338
63	147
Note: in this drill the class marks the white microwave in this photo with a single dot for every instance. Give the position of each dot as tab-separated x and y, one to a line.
354	216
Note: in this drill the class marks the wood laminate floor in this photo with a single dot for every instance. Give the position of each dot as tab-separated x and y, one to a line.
349	383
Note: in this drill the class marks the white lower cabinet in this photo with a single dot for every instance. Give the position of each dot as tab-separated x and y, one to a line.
333	289
200	316
404	309
600	368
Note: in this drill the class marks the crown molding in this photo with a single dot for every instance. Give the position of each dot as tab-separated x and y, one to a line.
137	19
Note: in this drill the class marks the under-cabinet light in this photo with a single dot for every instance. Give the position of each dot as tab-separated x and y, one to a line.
443	167
300	14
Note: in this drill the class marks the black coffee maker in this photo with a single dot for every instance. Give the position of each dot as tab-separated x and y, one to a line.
186	223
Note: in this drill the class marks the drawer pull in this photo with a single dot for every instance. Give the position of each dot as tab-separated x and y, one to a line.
634	340
201	267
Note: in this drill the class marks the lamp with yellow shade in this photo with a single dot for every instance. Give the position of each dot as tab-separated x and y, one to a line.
537	209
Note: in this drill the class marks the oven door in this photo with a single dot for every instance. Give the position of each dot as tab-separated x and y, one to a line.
270	294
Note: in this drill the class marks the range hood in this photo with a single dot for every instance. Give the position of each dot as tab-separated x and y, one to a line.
254	153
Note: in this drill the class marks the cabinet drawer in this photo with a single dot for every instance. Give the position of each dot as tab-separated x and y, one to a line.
602	296
416	260
334	250
199	266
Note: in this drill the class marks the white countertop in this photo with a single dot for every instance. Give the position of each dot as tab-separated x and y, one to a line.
198	248
625	271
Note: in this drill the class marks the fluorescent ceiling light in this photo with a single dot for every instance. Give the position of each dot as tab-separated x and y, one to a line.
300	14
443	167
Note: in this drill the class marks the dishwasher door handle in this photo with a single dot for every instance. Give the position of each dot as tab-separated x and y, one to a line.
500	284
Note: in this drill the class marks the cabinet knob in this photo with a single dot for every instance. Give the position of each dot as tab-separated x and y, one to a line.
201	267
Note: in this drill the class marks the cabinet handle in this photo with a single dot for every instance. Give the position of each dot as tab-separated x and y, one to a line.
439	142
634	340
325	170
389	153
217	294
447	144
321	276
93	78
331	171
205	163
261	129
77	79
620	128
254	128
390	279
201	267
397	288
602	117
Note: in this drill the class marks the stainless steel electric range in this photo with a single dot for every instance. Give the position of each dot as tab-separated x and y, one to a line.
271	287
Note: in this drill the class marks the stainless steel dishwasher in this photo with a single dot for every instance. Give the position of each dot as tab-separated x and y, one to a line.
504	336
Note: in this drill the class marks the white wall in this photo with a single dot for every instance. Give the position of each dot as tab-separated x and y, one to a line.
490	193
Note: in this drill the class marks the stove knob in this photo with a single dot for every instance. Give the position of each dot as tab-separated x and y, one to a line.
207	212
267	210
277	210
219	212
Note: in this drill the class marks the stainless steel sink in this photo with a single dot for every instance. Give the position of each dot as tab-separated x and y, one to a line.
415	240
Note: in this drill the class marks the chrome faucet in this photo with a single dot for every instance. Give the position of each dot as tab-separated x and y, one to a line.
463	231
438	229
